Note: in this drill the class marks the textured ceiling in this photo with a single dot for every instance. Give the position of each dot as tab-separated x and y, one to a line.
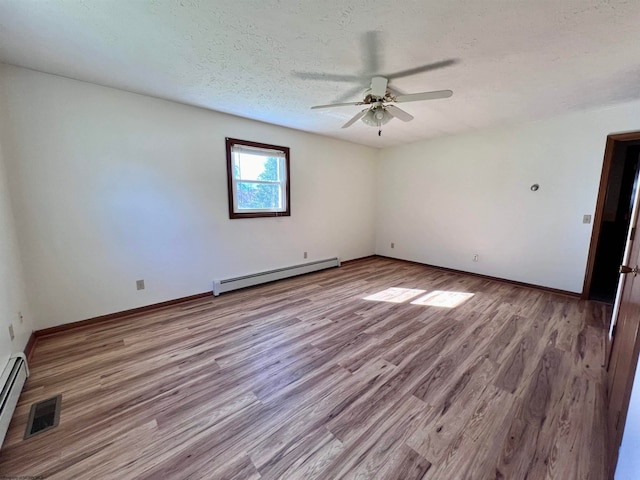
517	60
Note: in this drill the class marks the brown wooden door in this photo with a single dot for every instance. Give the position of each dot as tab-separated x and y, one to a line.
624	355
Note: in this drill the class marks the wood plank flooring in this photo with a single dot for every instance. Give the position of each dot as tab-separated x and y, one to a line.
307	379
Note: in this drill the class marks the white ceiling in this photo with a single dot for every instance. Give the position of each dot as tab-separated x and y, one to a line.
517	60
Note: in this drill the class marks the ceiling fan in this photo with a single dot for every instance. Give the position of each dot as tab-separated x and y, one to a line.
380	96
380	99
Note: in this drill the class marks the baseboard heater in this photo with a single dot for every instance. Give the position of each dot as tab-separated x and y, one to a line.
12	381
228	284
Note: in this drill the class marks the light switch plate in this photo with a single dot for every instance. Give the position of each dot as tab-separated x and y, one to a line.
586	219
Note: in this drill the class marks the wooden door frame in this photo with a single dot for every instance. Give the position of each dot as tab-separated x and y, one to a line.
612	142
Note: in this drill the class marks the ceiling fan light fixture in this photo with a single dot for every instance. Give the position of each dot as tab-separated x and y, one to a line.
376	117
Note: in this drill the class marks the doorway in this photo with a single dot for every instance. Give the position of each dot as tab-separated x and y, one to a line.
614	224
618	185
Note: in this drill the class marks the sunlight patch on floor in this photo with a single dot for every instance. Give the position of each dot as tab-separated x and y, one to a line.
395	295
441	298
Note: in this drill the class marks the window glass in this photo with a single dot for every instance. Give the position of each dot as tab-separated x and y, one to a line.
258	177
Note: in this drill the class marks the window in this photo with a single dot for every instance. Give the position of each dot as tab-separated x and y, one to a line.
258	177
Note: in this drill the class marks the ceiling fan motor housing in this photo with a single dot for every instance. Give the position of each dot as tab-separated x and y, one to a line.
379	87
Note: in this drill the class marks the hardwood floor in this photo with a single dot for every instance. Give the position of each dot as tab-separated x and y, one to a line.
305	378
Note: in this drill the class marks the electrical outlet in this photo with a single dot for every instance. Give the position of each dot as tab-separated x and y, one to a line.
305	254
475	257
393	245
586	219
140	284
11	334
20	317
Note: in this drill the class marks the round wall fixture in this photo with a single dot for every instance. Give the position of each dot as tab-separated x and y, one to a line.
535	187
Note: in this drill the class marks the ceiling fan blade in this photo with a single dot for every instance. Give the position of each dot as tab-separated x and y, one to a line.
378	86
371	50
415	97
331	105
423	68
327	77
355	118
395	91
399	113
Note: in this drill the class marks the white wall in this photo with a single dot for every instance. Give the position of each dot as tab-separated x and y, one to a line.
13	297
444	200
628	459
110	187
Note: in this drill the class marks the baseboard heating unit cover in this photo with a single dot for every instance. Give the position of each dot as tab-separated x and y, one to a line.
228	284
13	377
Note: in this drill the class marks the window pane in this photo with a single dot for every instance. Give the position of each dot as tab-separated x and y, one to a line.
258	176
256	167
254	196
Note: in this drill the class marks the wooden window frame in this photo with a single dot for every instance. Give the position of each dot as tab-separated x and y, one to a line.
230	142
